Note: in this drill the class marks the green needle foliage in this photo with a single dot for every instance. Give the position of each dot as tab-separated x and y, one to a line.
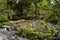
47	10
3	7
44	31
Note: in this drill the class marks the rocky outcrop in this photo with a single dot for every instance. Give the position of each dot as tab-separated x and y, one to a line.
9	33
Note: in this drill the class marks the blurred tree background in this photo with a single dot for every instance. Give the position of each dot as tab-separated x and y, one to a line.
3	7
47	10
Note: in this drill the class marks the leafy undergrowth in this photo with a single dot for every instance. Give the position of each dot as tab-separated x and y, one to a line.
44	31
7	23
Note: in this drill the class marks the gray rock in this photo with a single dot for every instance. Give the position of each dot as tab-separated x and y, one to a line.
9	35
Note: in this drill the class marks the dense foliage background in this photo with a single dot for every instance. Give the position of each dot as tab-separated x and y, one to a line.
47	10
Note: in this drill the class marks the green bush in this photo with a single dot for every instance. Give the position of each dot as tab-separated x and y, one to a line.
8	23
3	18
0	24
44	31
